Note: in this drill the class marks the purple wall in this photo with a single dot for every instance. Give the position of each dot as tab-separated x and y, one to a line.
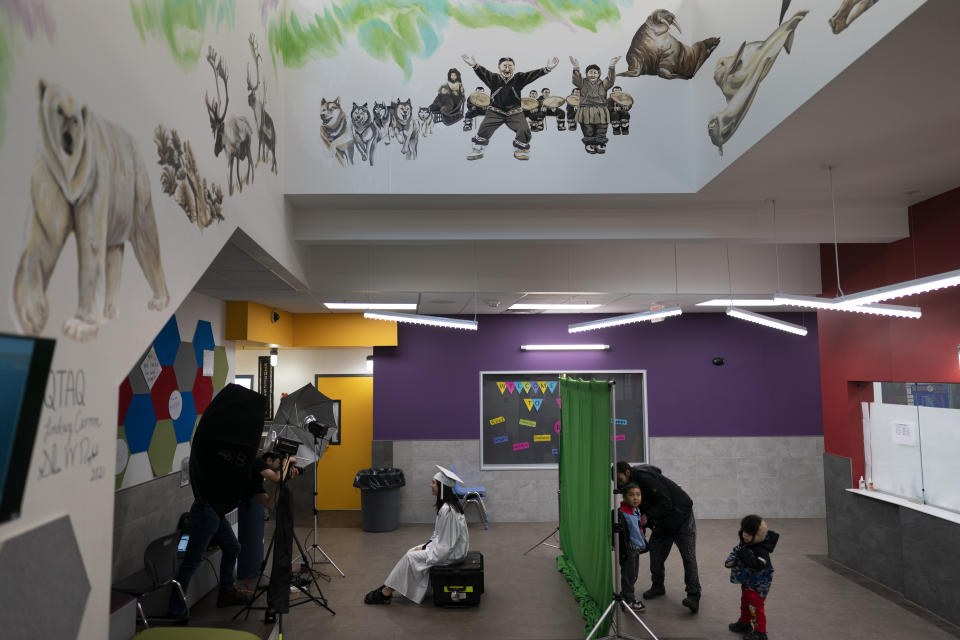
427	388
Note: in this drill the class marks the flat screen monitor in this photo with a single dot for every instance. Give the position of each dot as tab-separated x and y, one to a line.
24	369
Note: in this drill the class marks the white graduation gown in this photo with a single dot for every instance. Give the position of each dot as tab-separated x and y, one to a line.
448	544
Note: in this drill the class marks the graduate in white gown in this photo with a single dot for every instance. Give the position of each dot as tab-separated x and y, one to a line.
448	544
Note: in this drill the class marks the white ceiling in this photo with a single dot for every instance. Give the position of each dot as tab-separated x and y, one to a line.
889	125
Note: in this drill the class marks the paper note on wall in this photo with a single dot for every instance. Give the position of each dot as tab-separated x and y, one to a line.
150	367
207	362
497	420
904	433
500	439
521	445
528	423
542	438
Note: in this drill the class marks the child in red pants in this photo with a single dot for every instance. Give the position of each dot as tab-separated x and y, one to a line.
750	567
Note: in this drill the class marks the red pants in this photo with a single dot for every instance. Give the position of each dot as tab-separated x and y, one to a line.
750	598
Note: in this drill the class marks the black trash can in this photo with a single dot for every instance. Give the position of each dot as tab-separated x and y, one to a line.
379	497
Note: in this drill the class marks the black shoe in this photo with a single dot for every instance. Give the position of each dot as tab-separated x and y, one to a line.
692	602
269	616
376	597
756	635
231	598
655	591
740	627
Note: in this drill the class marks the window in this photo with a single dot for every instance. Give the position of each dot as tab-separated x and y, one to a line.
911	441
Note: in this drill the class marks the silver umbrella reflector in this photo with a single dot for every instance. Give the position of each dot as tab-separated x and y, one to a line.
310	418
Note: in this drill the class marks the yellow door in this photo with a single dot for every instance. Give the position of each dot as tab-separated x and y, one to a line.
340	463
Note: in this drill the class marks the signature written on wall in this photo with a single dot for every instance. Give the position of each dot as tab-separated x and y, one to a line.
68	434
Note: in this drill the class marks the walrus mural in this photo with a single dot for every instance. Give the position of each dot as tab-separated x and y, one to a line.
849	11
655	52
739	77
88	179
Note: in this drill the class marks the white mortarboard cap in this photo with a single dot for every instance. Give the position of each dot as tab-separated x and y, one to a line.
447	477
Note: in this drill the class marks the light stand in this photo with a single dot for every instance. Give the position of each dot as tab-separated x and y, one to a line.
618	602
311	555
304	587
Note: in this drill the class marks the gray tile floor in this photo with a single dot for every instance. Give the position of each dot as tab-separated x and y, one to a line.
527	598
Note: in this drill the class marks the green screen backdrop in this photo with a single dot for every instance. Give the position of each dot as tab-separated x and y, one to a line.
585	528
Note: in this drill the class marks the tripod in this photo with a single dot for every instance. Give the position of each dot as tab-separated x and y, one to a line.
278	590
310	558
552	533
618	602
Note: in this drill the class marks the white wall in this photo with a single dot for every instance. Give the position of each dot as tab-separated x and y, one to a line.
297	367
668	149
95	53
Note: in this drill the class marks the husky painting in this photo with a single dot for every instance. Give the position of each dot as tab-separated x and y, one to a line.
403	128
426	121
381	120
364	131
334	131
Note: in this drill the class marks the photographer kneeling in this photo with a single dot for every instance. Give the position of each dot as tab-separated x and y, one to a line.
208	523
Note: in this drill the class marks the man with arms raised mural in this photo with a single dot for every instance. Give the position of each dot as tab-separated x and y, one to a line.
505	87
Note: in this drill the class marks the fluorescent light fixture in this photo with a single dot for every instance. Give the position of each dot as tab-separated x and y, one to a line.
739	302
892	310
766	321
564	347
528	306
616	321
432	321
899	290
385	306
273	357
369	364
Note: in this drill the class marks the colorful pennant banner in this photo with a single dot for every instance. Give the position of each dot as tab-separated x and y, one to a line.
526	386
502	386
509	387
542	385
552	385
529	403
537	402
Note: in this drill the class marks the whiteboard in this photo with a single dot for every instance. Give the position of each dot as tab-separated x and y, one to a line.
940	445
896	465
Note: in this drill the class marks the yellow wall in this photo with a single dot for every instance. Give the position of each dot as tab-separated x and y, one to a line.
253	322
339	465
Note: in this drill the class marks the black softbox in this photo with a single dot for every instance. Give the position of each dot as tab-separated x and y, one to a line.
224	448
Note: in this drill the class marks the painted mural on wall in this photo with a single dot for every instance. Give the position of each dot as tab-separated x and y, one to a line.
181	179
655	51
266	131
182	24
849	11
401	31
739	77
163	398
90	180
232	133
19	18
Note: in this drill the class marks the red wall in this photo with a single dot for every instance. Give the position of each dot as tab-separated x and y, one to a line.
861	348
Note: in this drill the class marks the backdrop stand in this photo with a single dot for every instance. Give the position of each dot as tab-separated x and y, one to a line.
552	533
618	603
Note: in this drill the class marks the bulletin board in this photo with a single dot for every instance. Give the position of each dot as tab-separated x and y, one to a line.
520	416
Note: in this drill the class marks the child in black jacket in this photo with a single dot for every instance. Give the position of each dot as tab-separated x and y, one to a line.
751	568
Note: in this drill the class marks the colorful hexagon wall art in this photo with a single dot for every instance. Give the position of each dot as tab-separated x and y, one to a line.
162	400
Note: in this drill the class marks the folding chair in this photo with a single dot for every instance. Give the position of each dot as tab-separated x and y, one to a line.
159	570
472	495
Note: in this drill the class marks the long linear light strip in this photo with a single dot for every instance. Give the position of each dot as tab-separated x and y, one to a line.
738	302
432	321
564	347
529	306
766	321
616	321
901	289
896	311
384	306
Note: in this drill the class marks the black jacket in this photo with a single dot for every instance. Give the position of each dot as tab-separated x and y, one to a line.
756	556
665	504
505	94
